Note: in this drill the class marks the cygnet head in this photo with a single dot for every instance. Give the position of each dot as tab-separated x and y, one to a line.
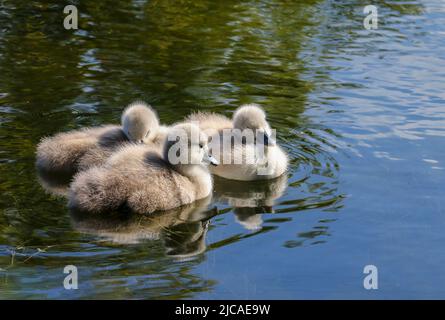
253	117
186	145
140	122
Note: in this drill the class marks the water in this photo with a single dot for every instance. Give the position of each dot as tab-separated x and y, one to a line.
361	114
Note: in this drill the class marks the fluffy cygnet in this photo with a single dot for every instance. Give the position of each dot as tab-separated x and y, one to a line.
251	164
147	180
72	151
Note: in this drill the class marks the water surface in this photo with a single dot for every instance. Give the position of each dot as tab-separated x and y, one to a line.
361	114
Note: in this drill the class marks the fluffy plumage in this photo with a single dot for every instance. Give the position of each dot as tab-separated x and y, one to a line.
145	179
69	152
209	122
251	116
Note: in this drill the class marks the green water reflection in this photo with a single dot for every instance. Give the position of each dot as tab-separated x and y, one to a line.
304	61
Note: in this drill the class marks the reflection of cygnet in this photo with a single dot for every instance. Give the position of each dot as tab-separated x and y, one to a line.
250	199
146	181
250	194
271	164
132	228
248	218
186	240
69	152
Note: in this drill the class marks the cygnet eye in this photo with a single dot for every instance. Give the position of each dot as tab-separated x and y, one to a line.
201	145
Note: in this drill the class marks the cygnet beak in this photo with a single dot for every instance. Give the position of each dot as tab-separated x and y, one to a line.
268	140
211	160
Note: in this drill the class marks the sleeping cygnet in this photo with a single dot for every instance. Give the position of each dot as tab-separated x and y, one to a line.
69	152
259	158
146	180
